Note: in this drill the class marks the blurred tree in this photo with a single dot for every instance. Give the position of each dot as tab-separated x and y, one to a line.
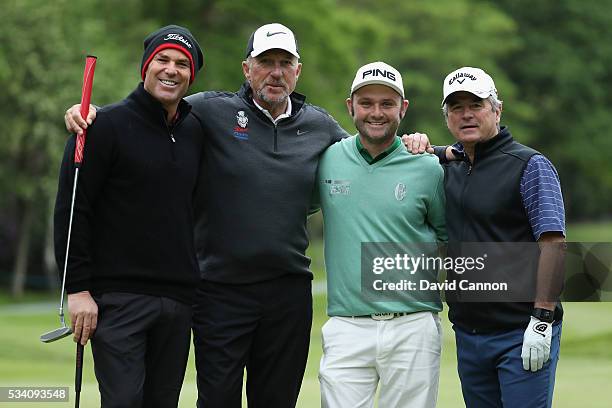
35	67
550	60
564	70
426	40
42	49
328	34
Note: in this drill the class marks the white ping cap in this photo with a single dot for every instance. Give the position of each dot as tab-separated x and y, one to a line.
378	73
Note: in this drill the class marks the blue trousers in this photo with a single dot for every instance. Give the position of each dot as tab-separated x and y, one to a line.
492	374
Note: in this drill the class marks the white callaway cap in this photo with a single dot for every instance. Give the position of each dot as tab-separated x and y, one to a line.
469	79
378	73
272	36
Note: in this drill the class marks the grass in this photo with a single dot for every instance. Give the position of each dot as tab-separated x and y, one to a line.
583	373
590	232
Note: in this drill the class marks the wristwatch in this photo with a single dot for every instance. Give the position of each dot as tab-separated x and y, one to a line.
544	315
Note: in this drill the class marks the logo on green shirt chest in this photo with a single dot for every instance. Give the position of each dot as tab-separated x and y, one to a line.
400	191
338	187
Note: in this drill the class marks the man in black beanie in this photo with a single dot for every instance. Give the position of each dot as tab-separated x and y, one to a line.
132	268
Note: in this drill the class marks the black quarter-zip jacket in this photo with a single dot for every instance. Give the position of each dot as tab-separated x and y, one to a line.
254	199
133	219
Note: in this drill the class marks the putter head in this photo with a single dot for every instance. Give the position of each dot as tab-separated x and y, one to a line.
55	334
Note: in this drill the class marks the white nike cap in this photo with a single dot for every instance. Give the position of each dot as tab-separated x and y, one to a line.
469	79
378	73
272	36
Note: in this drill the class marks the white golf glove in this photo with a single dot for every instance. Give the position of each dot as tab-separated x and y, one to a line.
536	344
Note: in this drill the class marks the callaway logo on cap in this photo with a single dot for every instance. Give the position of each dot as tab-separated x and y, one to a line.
378	73
469	79
272	36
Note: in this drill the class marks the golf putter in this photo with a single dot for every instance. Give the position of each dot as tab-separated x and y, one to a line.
64	330
78	375
90	66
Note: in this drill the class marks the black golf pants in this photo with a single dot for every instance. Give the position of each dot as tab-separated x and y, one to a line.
140	349
262	326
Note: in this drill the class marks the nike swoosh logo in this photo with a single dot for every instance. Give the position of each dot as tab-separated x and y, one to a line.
301	132
269	34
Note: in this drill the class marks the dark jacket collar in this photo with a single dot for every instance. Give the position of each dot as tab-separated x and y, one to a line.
153	107
246	93
501	139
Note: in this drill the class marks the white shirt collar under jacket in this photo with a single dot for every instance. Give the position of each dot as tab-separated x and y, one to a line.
279	117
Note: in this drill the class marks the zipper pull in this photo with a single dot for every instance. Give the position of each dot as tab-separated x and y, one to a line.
172	137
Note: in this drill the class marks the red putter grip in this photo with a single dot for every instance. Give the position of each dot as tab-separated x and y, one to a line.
88	75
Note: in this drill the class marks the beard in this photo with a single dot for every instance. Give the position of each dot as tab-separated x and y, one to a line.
389	133
272	100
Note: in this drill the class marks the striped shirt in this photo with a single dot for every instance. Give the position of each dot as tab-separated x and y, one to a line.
542	198
541	192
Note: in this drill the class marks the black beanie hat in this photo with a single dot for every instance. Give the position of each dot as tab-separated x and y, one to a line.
176	37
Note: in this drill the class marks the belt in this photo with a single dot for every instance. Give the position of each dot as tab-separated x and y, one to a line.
384	316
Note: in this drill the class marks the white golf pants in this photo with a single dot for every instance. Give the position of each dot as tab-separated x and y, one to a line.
403	354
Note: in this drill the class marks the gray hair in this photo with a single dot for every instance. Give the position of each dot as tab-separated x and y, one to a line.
496	104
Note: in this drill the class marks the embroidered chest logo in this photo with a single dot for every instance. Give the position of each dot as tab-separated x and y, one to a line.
241	131
338	187
242	119
400	191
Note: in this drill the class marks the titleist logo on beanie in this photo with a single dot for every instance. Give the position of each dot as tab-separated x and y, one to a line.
176	37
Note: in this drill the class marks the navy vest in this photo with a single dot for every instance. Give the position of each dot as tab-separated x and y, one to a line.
484	204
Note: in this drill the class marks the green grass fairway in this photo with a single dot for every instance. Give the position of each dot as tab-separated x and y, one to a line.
590	232
583	374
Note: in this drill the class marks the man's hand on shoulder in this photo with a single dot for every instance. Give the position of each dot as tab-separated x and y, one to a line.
417	143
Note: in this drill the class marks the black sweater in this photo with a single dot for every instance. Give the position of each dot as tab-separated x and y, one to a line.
259	182
133	219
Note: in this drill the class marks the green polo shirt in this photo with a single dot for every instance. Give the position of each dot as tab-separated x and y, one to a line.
366	155
399	199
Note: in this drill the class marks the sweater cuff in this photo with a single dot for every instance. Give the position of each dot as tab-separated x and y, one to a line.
440	151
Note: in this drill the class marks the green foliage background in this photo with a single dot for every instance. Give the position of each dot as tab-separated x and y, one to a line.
552	62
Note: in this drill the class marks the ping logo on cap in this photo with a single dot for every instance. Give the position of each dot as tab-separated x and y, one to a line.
177	37
378	72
